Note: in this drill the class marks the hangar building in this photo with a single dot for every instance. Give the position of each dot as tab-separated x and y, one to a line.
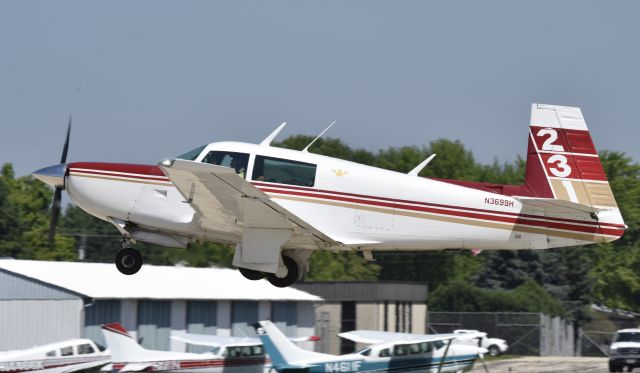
42	302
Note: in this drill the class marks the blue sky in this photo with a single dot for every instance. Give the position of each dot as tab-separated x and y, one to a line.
146	80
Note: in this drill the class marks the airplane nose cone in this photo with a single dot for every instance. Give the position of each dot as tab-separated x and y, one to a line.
52	175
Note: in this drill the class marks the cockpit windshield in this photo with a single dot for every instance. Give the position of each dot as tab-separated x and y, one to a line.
192	154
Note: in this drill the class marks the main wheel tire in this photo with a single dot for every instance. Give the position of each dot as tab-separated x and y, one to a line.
128	261
494	350
251	274
290	278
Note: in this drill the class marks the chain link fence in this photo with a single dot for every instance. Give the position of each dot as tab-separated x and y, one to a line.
526	333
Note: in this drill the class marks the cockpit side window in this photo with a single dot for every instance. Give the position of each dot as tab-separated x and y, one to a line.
191	155
237	161
284	171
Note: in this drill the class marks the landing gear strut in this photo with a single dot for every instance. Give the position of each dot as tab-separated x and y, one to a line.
293	271
128	261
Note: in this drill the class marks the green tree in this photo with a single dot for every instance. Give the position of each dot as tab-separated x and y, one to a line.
24	220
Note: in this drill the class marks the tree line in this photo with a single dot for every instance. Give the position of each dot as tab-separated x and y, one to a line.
557	281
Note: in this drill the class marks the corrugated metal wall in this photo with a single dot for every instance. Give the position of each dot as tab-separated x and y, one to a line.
98	313
201	319
285	316
14	287
154	324
243	316
28	323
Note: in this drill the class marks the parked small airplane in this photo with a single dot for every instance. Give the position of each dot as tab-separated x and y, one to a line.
277	205
229	355
59	357
399	352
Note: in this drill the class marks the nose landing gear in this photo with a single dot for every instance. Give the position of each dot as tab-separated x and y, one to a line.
128	261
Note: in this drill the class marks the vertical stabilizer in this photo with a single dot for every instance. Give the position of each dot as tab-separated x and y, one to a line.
562	162
123	348
281	349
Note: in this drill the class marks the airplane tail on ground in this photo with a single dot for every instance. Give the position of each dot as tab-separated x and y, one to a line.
281	349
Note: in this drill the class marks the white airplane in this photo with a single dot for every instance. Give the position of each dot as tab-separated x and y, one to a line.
387	352
241	355
60	357
278	205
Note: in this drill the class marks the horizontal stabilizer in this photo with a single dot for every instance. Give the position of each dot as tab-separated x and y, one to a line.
555	206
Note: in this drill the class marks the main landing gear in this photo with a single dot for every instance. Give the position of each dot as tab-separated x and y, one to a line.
293	272
128	261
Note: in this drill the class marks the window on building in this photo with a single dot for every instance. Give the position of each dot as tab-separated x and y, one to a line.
66	351
284	171
238	161
85	349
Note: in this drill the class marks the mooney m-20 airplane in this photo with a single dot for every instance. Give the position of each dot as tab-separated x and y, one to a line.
226	354
278	205
399	352
59	357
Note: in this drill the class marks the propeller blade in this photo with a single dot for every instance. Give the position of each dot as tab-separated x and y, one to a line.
65	149
55	214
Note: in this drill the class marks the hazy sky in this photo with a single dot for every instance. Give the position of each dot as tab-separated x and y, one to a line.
150	79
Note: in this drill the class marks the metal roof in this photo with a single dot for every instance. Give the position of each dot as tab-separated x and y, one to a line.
103	281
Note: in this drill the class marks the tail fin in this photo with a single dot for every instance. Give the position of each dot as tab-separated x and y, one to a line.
281	349
562	162
122	346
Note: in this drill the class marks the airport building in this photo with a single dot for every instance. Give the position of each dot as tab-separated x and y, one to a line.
43	302
387	306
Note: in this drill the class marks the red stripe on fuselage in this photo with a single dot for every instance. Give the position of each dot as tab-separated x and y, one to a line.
494	218
141	169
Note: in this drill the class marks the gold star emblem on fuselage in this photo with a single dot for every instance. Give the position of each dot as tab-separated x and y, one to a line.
339	172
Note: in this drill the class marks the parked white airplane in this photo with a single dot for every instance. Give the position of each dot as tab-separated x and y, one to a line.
60	357
387	352
277	205
229	355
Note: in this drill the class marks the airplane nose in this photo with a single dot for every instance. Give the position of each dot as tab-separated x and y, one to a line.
52	175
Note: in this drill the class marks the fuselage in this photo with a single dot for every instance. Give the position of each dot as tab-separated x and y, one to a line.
66	356
357	205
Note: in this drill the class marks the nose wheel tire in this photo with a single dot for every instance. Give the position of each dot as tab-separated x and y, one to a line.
292	274
128	261
251	274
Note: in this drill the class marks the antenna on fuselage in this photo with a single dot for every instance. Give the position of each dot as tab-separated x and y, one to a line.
422	165
272	135
306	150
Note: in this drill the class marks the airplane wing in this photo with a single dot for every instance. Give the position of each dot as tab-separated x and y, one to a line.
226	202
215	340
220	341
375	337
